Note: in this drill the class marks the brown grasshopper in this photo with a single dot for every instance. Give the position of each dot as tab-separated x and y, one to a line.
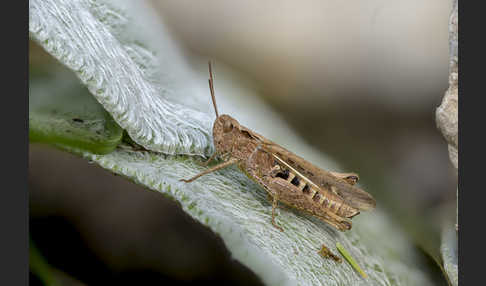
330	196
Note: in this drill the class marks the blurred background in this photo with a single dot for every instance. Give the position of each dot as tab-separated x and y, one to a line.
359	80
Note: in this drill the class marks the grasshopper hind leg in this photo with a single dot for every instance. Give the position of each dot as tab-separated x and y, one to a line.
340	223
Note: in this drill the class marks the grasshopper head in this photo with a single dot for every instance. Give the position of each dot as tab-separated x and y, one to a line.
224	129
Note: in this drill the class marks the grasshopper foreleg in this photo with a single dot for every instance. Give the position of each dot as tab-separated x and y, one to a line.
215	168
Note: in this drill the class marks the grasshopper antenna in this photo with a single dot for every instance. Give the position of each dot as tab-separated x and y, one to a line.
211	88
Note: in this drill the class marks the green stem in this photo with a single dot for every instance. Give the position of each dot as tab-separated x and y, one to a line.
350	259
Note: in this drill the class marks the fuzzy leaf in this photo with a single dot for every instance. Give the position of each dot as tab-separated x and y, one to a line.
238	210
109	52
448	250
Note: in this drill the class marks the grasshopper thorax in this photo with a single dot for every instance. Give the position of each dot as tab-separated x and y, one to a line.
224	129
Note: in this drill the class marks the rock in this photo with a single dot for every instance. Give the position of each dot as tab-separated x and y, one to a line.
447	112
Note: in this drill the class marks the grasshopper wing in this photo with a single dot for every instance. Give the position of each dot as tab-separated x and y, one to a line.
352	195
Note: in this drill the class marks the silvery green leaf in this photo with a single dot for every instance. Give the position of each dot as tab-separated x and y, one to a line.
238	210
114	55
448	250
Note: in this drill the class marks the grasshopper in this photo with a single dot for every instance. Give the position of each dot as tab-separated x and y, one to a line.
288	178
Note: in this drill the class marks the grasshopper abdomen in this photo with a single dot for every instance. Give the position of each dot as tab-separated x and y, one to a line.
322	198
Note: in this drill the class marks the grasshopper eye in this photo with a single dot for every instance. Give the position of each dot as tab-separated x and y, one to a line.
227	126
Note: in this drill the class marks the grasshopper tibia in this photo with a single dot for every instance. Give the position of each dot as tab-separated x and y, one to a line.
215	168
